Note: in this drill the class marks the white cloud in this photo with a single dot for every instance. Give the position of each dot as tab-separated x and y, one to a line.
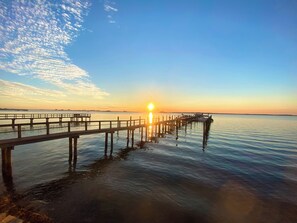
14	89
33	37
110	9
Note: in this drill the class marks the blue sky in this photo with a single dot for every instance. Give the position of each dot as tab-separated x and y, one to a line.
220	56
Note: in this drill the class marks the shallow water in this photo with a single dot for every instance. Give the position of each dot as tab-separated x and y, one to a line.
247	173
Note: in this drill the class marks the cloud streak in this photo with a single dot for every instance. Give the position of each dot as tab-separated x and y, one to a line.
110	8
14	89
33	37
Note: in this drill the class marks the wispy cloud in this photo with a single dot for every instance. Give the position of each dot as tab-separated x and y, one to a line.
13	89
110	8
33	37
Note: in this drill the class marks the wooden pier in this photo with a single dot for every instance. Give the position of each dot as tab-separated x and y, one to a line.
45	116
149	130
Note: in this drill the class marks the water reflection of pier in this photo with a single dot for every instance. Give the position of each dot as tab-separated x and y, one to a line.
150	130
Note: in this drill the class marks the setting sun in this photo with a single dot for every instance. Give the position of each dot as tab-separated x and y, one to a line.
151	106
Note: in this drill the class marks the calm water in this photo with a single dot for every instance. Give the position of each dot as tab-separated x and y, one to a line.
247	173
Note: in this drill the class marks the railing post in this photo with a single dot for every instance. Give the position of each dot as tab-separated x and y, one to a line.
86	125
110	124
99	125
69	126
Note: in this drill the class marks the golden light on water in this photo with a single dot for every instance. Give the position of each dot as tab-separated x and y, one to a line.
151	106
150	117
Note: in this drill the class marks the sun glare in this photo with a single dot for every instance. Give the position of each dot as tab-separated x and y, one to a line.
151	106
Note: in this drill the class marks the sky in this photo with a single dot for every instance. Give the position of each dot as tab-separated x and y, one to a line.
237	56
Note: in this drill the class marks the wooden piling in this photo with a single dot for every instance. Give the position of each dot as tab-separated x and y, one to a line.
75	148
111	143
118	124
47	128
132	141
19	131
13	123
70	150
159	127
128	135
6	161
106	143
141	134
146	132
176	130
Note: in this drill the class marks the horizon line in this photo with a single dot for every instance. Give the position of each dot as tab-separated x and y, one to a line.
127	111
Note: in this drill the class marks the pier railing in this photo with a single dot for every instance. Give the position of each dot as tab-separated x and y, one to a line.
42	115
69	126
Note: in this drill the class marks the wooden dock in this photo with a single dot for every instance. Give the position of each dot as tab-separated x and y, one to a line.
45	116
72	129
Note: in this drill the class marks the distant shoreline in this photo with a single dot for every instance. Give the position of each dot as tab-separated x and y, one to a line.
70	110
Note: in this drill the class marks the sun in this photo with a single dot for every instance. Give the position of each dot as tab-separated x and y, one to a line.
151	106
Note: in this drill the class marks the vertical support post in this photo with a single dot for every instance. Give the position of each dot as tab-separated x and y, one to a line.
31	122
70	150
106	143
130	120
146	126
6	162
176	129
110	124
118	125
19	131
111	143
141	134
47	128
13	123
159	127
86	125
163	124
204	134
128	136
99	125
68	126
132	138
75	148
